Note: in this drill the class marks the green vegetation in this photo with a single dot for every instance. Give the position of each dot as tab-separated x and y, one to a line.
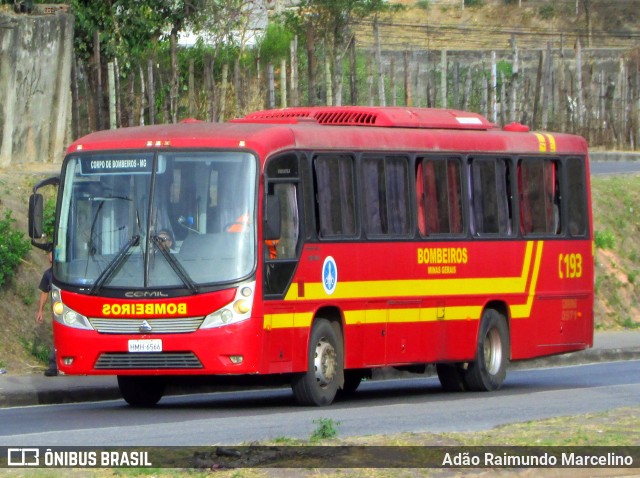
327	429
615	211
25	293
604	239
547	12
49	214
36	348
13	248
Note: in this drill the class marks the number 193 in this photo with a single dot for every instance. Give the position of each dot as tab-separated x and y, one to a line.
569	266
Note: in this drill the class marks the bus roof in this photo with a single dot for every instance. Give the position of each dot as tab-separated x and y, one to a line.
340	128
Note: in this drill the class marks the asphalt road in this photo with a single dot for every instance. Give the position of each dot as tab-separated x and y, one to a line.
379	407
600	168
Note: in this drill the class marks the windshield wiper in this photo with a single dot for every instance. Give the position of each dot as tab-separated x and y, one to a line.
90	245
113	265
175	265
110	197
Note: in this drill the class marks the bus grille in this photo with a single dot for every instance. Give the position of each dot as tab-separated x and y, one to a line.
151	360
158	326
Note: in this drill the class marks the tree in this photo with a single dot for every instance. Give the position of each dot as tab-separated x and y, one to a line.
228	26
328	23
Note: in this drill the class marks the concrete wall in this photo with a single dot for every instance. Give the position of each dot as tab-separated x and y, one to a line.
36	53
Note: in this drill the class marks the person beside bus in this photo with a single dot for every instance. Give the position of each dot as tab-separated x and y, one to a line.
45	291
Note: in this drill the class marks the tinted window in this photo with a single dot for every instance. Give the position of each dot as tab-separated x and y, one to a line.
576	197
438	190
335	199
490	194
539	196
386	195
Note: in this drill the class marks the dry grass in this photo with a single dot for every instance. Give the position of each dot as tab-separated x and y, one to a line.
613	428
616	204
444	25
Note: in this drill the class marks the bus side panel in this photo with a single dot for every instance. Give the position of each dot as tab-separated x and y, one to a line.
422	302
561	317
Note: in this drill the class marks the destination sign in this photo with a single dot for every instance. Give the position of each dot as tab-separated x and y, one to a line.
117	165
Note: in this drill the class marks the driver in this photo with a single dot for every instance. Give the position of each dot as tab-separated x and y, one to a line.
165	238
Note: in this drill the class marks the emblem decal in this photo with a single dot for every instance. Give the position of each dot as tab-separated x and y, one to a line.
329	275
145	328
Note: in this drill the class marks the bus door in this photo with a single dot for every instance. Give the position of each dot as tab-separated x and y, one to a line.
281	257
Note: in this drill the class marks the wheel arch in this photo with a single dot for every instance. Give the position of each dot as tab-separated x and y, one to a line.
335	316
332	313
502	308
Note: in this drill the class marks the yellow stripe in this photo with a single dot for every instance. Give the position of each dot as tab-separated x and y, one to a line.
378	316
418	288
542	141
524	311
552	143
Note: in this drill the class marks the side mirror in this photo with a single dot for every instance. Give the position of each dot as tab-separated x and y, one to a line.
36	214
271	223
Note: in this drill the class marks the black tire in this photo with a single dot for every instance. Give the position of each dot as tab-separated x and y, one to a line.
141	391
319	384
489	370
451	376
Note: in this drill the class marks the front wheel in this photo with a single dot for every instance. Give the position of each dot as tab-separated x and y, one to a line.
488	371
141	391
319	384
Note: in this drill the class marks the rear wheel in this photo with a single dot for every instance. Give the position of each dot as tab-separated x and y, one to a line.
141	391
489	370
319	384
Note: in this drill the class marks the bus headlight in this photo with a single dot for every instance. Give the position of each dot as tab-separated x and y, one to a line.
242	306
65	315
236	311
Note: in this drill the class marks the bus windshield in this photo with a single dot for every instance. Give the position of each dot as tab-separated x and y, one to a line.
139	220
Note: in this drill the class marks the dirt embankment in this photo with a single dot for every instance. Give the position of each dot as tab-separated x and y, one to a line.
19	332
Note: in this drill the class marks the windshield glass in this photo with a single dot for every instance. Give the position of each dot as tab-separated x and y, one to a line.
142	220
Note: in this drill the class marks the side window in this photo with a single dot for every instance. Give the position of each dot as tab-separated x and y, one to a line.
335	195
576	197
539	196
286	246
439	196
491	192
386	195
280	254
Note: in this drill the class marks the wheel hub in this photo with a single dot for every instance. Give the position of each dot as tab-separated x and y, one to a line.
325	363
493	351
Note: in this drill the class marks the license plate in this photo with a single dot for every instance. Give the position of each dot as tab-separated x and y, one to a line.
145	345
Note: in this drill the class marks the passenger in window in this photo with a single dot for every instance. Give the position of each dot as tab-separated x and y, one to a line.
241	224
272	248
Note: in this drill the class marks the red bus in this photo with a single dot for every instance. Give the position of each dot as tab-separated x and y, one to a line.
315	245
